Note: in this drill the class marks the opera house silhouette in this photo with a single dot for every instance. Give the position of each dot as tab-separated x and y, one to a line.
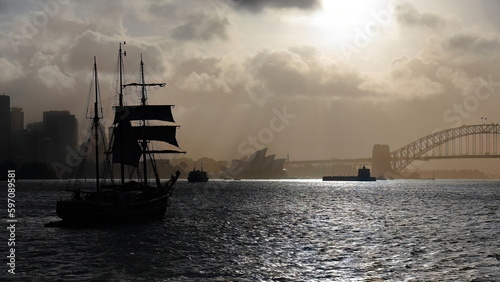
257	166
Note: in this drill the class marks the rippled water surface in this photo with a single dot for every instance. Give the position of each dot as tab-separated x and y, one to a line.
273	230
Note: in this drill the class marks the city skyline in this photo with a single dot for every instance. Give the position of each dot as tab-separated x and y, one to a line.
312	79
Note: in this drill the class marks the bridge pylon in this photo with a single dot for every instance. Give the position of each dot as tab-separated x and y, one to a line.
381	159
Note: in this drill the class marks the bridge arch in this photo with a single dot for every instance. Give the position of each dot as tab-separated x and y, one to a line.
403	156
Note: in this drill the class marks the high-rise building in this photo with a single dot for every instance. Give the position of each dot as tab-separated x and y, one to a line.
62	129
16	118
5	128
35	126
30	143
19	147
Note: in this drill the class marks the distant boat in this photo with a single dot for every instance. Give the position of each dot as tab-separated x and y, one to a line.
381	177
198	175
126	200
363	175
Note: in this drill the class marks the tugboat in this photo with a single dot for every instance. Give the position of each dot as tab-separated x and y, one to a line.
126	200
198	175
363	175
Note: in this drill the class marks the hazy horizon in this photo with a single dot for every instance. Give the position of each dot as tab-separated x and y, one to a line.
309	79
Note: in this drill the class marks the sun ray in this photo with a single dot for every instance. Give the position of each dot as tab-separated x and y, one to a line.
338	21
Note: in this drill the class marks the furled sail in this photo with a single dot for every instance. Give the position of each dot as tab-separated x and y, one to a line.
125	135
145	112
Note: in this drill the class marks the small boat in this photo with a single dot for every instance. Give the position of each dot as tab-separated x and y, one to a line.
198	175
126	200
363	175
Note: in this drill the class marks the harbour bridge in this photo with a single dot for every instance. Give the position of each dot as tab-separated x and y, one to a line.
464	142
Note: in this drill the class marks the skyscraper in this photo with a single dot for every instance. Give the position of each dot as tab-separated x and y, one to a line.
19	148
5	128
62	129
16	118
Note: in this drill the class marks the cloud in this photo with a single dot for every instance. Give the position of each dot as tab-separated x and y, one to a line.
474	42
299	73
9	70
256	6
303	72
163	10
202	27
407	14
208	65
457	81
288	74
53	78
473	50
109	18
8	6
203	83
89	44
304	51
92	43
210	78
406	78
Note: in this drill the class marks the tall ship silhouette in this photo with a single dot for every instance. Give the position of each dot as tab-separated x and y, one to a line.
134	196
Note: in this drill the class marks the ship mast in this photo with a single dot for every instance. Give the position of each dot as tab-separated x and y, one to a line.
120	103
144	133
144	141
96	125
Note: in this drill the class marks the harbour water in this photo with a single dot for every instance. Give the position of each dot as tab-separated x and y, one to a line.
293	230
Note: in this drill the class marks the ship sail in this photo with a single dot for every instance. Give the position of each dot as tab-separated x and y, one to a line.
125	136
136	137
165	133
131	134
146	112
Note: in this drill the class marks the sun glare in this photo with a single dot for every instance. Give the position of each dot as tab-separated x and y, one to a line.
337	21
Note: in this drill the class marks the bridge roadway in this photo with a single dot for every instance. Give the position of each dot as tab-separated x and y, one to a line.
369	160
327	162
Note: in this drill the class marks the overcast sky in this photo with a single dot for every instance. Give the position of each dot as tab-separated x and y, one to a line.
309	78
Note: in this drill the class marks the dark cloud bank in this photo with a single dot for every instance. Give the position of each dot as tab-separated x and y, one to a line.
258	5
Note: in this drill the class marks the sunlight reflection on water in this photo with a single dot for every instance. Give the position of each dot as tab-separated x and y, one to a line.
286	230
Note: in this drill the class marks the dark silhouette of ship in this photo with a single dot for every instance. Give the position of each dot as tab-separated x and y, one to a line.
197	175
363	175
126	200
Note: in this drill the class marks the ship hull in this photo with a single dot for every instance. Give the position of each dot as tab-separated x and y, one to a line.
197	179
114	209
197	176
348	178
363	175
